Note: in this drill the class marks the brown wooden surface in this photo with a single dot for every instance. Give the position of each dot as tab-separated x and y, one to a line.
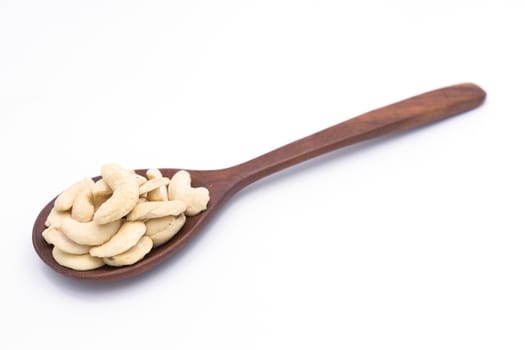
223	183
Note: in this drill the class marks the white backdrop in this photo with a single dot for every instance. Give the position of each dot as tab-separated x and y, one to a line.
412	242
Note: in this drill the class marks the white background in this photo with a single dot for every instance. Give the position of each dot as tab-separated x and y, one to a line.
413	242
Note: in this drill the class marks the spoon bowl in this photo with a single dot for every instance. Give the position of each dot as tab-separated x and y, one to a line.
218	194
224	183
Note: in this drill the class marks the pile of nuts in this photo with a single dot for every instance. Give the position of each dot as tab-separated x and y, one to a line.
121	217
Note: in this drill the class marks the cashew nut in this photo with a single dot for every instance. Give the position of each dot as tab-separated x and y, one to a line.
153	184
126	237
65	200
77	262
180	188
161	193
83	206
125	194
55	217
140	179
99	200
101	193
101	189
89	233
161	230
134	254
151	210
58	239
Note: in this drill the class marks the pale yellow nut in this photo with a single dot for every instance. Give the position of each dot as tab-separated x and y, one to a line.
132	255
101	193
153	184
77	262
101	189
58	239
153	173
83	206
158	194
65	200
89	233
151	210
126	237
161	230
140	179
55	217
196	199
125	194
99	200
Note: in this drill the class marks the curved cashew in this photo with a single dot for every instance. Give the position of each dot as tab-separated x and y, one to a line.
98	201
83	206
77	262
161	193
151	210
101	189
195	198
141	180
126	237
125	194
55	218
65	200
153	173
153	184
100	192
60	240
161	230
134	254
89	233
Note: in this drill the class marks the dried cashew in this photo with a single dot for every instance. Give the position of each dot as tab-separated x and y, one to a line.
55	217
161	193
151	210
161	230
89	233
99	200
65	200
83	207
134	254
125	194
60	240
153	184
126	237
140	179
180	188
77	262
101	189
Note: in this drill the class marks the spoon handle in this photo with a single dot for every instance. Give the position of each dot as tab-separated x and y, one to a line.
410	113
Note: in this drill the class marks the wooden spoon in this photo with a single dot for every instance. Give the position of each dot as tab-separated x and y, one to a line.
224	183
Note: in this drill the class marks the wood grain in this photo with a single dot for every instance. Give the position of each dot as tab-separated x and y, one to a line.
224	183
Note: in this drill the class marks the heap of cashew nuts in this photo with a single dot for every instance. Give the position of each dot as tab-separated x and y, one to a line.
121	217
